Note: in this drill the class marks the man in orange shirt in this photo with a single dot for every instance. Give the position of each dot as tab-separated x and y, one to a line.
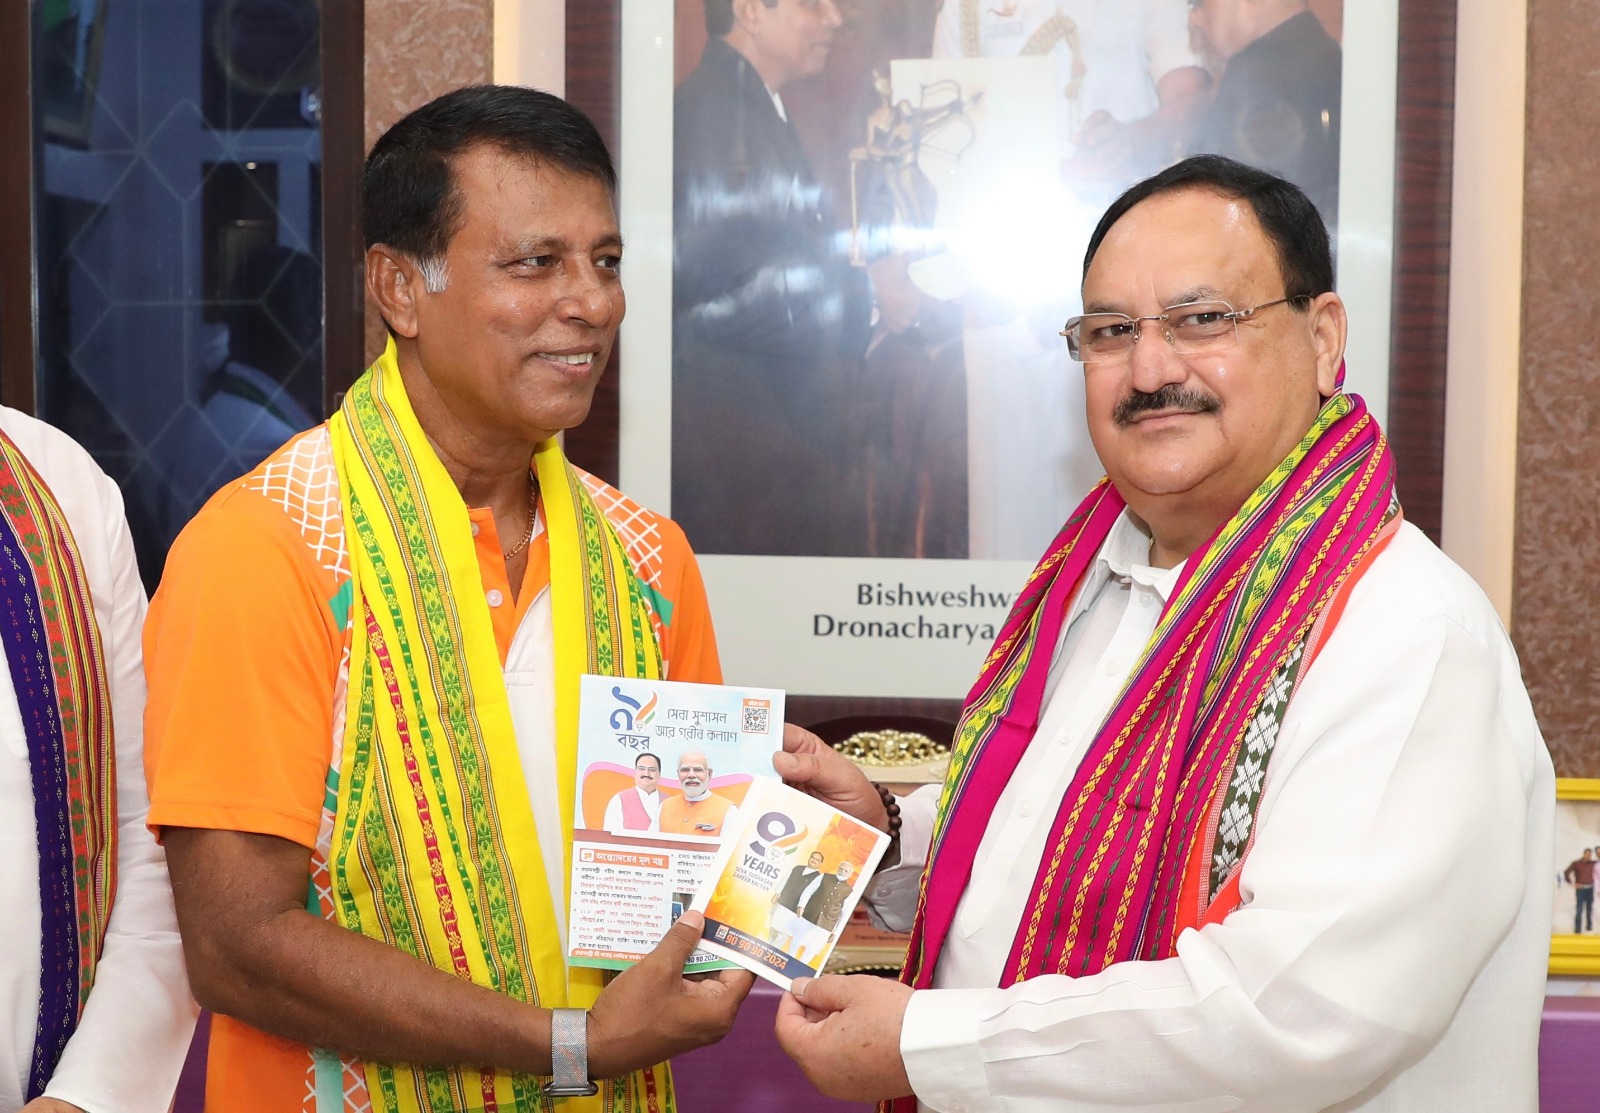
699	811
386	622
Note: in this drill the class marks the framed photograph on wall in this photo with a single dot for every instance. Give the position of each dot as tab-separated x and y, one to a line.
847	270
1574	943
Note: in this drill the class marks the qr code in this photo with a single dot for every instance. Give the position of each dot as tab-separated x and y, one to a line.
757	716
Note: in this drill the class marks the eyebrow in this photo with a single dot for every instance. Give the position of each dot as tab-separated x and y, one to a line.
555	245
1198	293
1100	307
1184	297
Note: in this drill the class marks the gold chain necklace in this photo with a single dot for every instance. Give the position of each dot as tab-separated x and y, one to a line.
533	498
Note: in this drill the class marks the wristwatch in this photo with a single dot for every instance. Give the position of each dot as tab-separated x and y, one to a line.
569	1055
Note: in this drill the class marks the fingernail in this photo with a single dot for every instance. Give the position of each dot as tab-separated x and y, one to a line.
784	763
799	986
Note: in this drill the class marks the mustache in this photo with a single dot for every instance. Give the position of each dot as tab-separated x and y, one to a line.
1170	397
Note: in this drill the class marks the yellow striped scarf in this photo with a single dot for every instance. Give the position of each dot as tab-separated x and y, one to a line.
434	846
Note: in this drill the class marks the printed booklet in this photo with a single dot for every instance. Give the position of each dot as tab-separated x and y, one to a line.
663	769
785	883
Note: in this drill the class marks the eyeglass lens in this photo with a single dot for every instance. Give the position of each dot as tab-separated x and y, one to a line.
1191	329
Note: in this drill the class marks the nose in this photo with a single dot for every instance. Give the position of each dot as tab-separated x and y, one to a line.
1153	362
593	295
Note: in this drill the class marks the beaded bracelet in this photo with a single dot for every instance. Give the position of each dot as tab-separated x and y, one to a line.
892	807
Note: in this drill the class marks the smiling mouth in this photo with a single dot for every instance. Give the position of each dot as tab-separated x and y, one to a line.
575	360
1159	415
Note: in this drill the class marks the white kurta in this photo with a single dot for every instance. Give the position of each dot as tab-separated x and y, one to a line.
1390	952
129	1047
649	801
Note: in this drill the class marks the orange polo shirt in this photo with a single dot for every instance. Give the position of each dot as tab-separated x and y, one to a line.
243	649
694	817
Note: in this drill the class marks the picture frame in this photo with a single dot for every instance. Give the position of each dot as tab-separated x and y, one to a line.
861	623
1577	828
612	56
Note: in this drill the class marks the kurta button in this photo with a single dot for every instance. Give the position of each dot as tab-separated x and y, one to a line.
495	598
1027	807
474	529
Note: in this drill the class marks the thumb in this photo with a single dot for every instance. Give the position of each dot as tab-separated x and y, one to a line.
827	994
681	939
796	768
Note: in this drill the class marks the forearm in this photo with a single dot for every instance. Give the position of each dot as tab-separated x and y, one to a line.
311	981
254	953
1153	1035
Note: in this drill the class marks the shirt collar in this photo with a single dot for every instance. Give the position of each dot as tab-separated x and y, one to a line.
1126	557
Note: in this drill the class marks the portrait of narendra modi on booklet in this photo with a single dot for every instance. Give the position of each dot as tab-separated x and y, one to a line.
786	882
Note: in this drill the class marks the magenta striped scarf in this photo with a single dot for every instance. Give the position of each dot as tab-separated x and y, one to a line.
1107	886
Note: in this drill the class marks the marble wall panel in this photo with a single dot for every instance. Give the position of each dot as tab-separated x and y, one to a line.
1556	588
416	50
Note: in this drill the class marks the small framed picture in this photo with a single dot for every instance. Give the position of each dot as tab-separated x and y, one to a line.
1574	942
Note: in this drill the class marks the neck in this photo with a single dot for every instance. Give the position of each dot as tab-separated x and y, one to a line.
488	470
1174	538
770	76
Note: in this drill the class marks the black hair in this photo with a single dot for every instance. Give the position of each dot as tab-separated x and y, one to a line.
408	195
647	754
1287	216
719	16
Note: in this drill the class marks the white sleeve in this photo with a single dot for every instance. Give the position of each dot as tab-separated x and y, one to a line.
613	820
947	30
891	898
129	1047
1389	864
1166	37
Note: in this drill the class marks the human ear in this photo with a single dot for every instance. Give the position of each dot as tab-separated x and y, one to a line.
1330	328
745	15
392	282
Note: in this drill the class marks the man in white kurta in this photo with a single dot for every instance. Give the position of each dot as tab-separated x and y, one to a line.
1387	948
129	1045
1403	841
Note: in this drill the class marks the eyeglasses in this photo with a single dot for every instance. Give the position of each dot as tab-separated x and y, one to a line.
1193	328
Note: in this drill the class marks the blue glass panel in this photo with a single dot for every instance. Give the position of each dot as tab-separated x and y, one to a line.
180	327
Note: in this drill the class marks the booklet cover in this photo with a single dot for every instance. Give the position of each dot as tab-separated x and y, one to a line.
663	769
785	882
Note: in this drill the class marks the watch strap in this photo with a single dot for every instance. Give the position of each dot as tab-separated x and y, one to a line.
569	1055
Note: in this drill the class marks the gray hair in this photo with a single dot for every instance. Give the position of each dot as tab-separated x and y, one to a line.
435	273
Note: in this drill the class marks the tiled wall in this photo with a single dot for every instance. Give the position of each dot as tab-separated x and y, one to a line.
1556	592
416	50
